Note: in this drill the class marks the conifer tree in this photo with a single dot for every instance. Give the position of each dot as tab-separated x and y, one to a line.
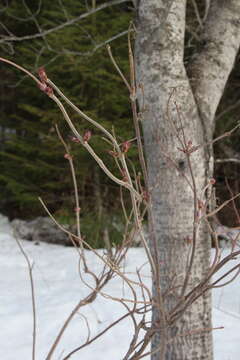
31	158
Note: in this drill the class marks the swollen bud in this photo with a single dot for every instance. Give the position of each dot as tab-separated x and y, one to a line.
75	139
67	156
42	75
212	181
87	136
200	204
125	146
145	195
45	88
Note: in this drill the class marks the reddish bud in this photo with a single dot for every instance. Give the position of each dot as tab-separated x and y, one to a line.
189	148
145	195
87	136
200	204
77	209
42	75
45	88
183	150
75	139
67	156
212	181
49	91
125	146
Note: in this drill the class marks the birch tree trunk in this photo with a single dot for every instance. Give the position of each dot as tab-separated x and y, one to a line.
197	90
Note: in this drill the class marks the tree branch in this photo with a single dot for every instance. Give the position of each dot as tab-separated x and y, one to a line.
42	34
234	160
96	47
228	109
211	66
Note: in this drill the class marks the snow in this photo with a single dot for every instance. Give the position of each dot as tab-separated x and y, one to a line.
58	289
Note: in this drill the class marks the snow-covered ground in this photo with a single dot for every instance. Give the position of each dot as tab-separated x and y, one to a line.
58	289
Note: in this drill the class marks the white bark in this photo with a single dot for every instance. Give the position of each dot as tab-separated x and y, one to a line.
159	64
211	66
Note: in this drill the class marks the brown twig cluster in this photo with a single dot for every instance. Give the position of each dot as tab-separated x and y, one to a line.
142	301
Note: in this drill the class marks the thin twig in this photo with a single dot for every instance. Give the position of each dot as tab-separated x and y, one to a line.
34	313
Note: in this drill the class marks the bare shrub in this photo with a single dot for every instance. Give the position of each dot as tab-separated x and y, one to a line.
142	300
